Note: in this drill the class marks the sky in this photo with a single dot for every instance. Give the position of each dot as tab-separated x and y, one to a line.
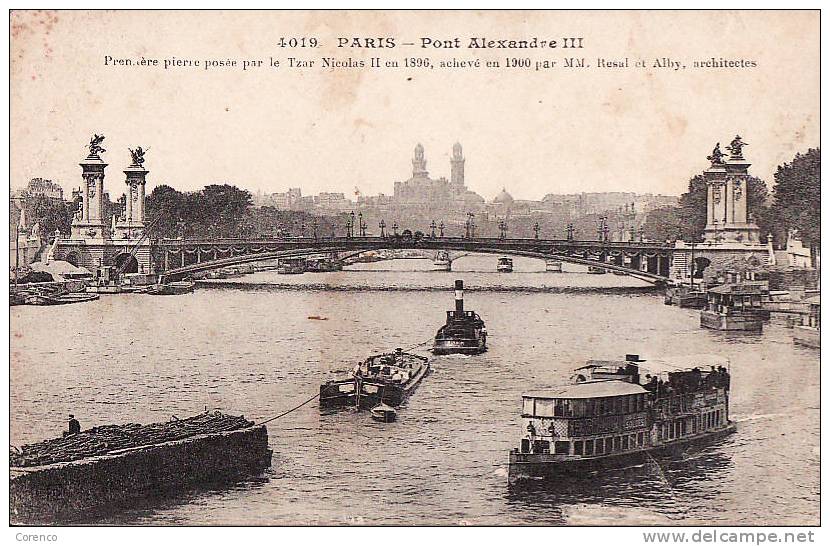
533	132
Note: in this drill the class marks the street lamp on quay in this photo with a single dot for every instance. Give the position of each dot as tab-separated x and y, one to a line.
382	226
432	229
536	230
441	229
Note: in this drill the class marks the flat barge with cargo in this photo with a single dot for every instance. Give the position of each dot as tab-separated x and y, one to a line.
609	418
108	467
388	378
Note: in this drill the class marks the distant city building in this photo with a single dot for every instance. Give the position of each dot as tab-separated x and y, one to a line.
44	188
421	190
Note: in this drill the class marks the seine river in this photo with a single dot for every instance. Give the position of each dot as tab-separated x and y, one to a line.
249	347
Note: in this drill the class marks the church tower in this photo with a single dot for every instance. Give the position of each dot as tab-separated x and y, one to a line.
419	164
457	168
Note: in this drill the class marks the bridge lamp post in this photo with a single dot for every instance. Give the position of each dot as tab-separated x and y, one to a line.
605	231
395	228
350	232
382	226
432	229
570	230
362	224
441	230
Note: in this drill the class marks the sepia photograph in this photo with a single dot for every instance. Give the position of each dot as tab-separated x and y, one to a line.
505	268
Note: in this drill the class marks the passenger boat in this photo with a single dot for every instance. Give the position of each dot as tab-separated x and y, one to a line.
685	296
442	261
553	266
384	413
734	307
464	332
596	270
108	467
388	378
609	418
291	266
505	265
171	288
808	333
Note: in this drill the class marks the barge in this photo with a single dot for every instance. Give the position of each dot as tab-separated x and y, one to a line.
734	307
505	265
105	468
388	378
608	418
464	332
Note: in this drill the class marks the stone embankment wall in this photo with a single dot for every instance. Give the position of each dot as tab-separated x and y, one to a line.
63	491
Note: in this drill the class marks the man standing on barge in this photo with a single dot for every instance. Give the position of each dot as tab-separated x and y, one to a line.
74	425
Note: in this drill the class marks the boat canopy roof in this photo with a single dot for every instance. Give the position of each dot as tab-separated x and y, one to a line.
737	289
590	389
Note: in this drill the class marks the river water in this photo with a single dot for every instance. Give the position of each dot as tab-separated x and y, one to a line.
248	346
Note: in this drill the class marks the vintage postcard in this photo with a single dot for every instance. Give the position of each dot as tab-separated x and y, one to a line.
489	268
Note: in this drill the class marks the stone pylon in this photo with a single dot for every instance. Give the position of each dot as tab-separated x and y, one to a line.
131	225
90	223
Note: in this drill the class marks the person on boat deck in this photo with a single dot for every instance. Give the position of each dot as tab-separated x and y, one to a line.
74	425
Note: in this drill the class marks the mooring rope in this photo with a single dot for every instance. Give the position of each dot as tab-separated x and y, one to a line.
289	411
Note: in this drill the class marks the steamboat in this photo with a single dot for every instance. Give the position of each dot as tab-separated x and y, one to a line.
442	261
385	379
610	418
553	265
464	332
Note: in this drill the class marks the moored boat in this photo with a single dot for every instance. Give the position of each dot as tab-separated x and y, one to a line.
388	378
323	264
596	270
685	296
384	413
107	467
464	331
291	266
173	288
608	418
505	265
808	333
734	307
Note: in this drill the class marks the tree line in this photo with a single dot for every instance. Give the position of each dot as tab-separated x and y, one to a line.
793	204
